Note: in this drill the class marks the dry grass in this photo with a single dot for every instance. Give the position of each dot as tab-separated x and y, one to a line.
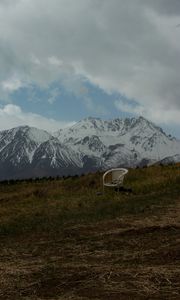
62	240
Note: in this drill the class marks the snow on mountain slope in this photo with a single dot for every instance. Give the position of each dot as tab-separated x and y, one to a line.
139	135
149	140
89	145
170	160
19	144
120	156
53	154
30	152
106	130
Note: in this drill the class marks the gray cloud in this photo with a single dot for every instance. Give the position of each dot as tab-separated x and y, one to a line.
130	46
167	7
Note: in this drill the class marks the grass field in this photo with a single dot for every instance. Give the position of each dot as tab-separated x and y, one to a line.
64	239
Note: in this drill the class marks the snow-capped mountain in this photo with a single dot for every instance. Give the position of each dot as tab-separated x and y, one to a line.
55	154
19	144
17	148
89	145
120	142
30	152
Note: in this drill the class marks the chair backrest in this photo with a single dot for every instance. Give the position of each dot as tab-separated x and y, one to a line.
117	176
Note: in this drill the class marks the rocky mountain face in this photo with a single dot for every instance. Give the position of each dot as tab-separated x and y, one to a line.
89	145
119	142
170	160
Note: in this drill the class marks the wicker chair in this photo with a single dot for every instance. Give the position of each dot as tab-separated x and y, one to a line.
114	177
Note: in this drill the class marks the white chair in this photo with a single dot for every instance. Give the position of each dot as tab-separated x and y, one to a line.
114	177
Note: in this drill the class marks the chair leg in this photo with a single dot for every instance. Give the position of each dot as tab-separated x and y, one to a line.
103	188
117	188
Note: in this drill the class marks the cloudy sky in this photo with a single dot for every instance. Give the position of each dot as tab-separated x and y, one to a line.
63	60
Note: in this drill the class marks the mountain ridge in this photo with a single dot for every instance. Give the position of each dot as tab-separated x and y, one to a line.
89	145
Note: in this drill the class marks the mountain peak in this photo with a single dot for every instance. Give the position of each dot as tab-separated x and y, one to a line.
90	144
91	120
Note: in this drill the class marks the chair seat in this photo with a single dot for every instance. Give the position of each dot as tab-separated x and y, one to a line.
111	184
117	177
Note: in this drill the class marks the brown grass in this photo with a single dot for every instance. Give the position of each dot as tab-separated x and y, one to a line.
62	240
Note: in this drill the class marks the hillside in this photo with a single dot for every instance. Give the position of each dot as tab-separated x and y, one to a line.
64	239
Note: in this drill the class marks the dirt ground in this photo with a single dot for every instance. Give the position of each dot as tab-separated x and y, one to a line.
127	258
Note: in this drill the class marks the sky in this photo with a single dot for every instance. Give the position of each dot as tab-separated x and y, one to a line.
65	60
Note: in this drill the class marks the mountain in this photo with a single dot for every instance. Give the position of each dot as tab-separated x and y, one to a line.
170	160
120	142
31	152
18	144
54	158
89	145
17	147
